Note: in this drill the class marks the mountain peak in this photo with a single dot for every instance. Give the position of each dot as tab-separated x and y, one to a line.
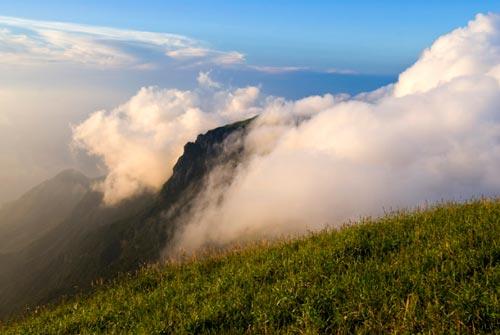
71	175
40	209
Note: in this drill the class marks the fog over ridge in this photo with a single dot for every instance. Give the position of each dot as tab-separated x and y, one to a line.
434	134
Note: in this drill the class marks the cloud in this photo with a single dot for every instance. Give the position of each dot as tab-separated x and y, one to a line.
321	161
341	71
188	53
277	69
288	69
467	51
140	141
53	74
228	58
204	80
25	41
214	56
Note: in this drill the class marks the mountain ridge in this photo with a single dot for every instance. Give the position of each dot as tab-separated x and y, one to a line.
98	242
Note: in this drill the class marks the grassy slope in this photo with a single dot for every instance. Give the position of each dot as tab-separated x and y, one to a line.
432	270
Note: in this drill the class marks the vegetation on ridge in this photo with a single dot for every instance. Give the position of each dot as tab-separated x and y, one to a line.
435	270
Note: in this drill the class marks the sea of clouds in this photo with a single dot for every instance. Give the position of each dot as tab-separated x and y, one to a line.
322	160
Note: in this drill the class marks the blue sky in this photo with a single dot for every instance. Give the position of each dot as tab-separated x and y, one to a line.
376	37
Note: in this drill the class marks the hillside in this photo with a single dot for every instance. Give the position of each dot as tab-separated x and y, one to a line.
435	270
40	209
90	241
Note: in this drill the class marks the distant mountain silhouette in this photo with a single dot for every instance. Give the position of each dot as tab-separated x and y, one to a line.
40	209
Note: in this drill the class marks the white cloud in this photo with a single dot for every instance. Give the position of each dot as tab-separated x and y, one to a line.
140	141
204	80
228	58
25	41
433	135
188	53
207	55
321	161
341	71
467	51
277	69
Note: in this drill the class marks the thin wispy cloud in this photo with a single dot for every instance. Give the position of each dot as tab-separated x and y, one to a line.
341	71
277	69
24	41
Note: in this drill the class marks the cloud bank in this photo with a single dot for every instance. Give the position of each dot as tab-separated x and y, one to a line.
433	135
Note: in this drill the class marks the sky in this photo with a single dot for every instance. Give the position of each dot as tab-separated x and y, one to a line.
380	37
61	61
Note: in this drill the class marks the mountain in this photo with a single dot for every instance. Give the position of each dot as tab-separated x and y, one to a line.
40	209
430	271
97	242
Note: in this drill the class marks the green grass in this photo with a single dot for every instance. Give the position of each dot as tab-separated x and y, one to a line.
428	271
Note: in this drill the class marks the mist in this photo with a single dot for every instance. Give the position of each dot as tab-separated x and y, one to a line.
319	161
55	74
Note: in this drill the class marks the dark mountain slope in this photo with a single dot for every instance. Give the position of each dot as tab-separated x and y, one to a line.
40	209
96	242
